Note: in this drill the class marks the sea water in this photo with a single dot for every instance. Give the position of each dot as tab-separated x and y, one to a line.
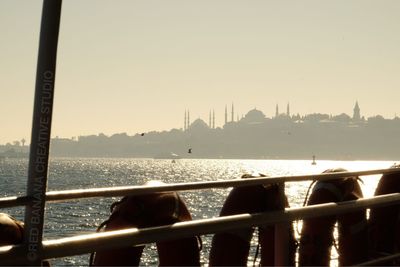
70	218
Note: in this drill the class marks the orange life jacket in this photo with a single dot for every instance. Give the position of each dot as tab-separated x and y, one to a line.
231	248
317	233
150	210
384	222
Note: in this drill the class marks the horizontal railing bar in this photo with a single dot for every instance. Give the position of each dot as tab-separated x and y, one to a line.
8	202
108	240
142	189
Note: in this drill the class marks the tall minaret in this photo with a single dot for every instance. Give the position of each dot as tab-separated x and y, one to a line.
226	114
356	114
276	111
184	126
209	119
213	120
188	120
288	110
232	113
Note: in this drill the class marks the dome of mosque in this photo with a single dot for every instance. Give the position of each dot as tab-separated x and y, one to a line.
198	124
254	115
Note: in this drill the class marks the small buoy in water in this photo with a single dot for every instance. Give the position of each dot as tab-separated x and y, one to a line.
313	160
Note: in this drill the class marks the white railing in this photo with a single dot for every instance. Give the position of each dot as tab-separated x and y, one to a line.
82	244
140	190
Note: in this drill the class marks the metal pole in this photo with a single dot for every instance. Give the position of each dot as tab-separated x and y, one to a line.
281	240
41	129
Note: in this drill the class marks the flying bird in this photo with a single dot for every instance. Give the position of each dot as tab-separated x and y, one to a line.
190	150
142	134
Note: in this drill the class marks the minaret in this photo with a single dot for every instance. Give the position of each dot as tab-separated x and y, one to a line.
356	114
213	120
188	119
209	119
184	126
276	111
226	114
288	110
232	113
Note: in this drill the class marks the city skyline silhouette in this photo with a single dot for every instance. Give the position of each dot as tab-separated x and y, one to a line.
138	65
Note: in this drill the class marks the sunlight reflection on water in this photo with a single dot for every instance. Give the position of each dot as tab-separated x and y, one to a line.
78	217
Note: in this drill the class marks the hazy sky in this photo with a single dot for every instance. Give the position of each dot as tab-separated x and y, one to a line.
135	66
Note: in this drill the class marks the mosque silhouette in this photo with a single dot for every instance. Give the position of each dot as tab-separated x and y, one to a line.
254	116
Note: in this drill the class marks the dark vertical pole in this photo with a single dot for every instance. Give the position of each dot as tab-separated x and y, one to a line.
282	234
41	128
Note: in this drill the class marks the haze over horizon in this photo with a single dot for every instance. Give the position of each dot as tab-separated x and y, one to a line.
136	66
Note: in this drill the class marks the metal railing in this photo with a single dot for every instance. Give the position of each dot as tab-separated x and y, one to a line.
140	190
82	244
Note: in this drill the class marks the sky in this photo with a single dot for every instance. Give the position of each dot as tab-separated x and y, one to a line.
136	66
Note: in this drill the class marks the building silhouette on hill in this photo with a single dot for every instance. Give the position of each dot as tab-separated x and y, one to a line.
256	116
254	135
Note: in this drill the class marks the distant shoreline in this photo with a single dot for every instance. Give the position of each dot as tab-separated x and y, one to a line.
26	156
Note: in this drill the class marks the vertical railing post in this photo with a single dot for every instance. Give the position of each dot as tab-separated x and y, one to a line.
41	129
281	253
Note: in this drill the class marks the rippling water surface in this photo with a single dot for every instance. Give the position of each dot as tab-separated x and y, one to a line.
79	217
